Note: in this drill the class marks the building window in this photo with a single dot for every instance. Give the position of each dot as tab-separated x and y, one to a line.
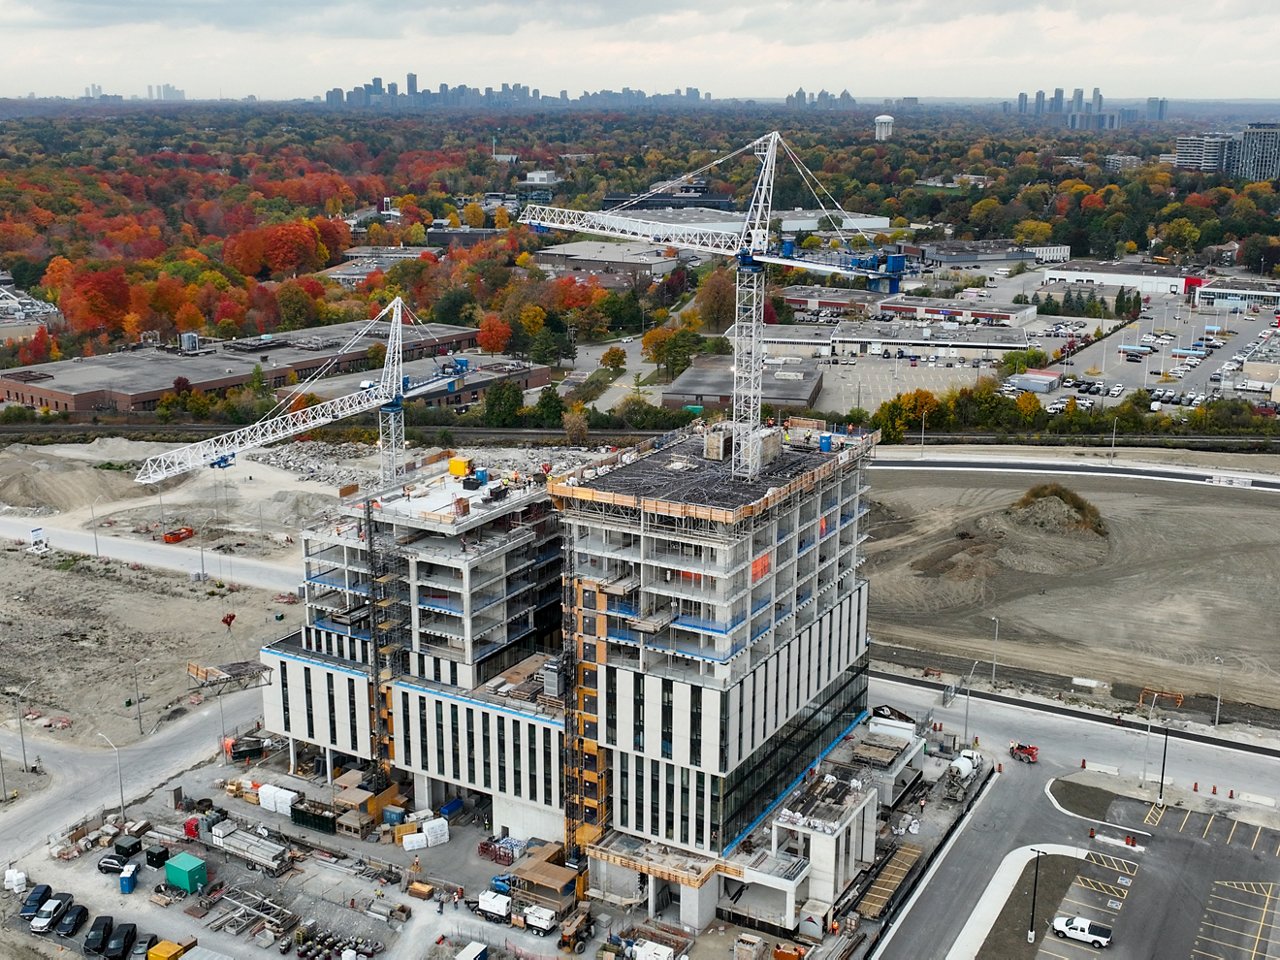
515	757
533	762
453	673
695	726
471	746
440	738
284	695
668	710
671	801
453	740
351	706
655	796
306	701
624	790
684	804
548	765
611	706
699	814
640	807
333	709
588	600
404	725
422	734
486	766
502	754
637	710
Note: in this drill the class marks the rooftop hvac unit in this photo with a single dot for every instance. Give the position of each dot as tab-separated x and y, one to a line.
551	679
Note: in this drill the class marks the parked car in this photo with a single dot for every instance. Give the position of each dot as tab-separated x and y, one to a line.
72	921
142	946
112	863
1078	928
95	941
51	912
35	900
120	942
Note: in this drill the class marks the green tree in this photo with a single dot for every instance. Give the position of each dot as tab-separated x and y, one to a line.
550	408
502	404
257	381
545	348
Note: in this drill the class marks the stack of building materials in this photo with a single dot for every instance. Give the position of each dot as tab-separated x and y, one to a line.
276	799
436	831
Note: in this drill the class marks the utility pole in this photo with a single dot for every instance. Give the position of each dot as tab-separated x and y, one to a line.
1217	709
994	643
968	699
1163	757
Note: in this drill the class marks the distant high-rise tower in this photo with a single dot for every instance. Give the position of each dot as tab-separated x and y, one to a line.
1039	103
1157	108
377	86
1258	154
1022	103
1097	101
411	84
1055	105
1077	100
884	127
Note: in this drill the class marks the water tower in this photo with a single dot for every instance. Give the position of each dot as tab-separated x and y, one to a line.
884	127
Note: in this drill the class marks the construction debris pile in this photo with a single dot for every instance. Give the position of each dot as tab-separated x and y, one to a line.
327	463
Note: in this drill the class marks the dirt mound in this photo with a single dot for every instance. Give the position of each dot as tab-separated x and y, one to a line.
1047	513
31	479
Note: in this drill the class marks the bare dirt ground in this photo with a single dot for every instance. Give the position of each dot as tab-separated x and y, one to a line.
1184	574
74	626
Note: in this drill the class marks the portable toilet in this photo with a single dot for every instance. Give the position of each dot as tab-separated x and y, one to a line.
186	872
129	878
824	442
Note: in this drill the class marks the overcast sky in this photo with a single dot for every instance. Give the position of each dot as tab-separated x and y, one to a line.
281	49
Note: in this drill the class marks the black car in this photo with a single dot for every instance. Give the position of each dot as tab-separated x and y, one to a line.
35	900
95	941
112	863
72	921
120	942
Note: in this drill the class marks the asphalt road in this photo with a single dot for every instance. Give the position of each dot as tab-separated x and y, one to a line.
84	778
931	461
282	578
1016	813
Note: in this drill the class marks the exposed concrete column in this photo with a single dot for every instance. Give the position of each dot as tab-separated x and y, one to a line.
653	897
698	904
328	764
293	757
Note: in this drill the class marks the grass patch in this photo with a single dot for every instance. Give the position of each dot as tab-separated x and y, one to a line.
128	466
593	386
1080	798
1090	518
1008	937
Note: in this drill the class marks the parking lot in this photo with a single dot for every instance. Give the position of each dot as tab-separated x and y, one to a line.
1239	922
1098	892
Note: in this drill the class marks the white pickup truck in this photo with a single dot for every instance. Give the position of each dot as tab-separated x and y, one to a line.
1078	928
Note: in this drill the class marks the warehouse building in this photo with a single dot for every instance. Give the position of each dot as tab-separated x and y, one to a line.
708	384
1143	277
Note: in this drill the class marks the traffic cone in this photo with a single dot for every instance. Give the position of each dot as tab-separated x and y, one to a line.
1215	789
1092	833
1231	794
999	768
1195	787
1082	765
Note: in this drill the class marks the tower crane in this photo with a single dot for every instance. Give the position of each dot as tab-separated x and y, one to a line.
387	396
749	247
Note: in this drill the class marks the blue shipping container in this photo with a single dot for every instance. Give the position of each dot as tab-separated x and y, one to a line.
452	808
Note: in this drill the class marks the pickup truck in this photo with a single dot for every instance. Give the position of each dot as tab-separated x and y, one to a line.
1078	928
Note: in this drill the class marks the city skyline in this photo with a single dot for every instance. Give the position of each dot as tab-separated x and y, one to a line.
874	49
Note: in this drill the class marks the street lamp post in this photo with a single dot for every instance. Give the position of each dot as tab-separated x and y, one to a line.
968	699
137	699
1217	708
994	643
1115	422
1146	742
94	515
22	738
1164	757
119	775
1035	889
4	788
222	743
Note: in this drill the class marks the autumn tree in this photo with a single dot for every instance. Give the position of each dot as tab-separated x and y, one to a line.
473	215
575	427
532	317
615	358
494	334
717	299
501	218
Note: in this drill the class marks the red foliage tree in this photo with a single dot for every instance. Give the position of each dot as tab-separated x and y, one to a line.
494	334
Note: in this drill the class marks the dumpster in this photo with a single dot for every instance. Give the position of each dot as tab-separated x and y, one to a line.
156	856
128	846
186	872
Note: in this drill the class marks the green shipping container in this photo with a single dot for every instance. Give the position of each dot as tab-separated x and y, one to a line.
186	872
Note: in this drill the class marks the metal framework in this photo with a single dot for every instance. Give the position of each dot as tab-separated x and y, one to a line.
387	396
